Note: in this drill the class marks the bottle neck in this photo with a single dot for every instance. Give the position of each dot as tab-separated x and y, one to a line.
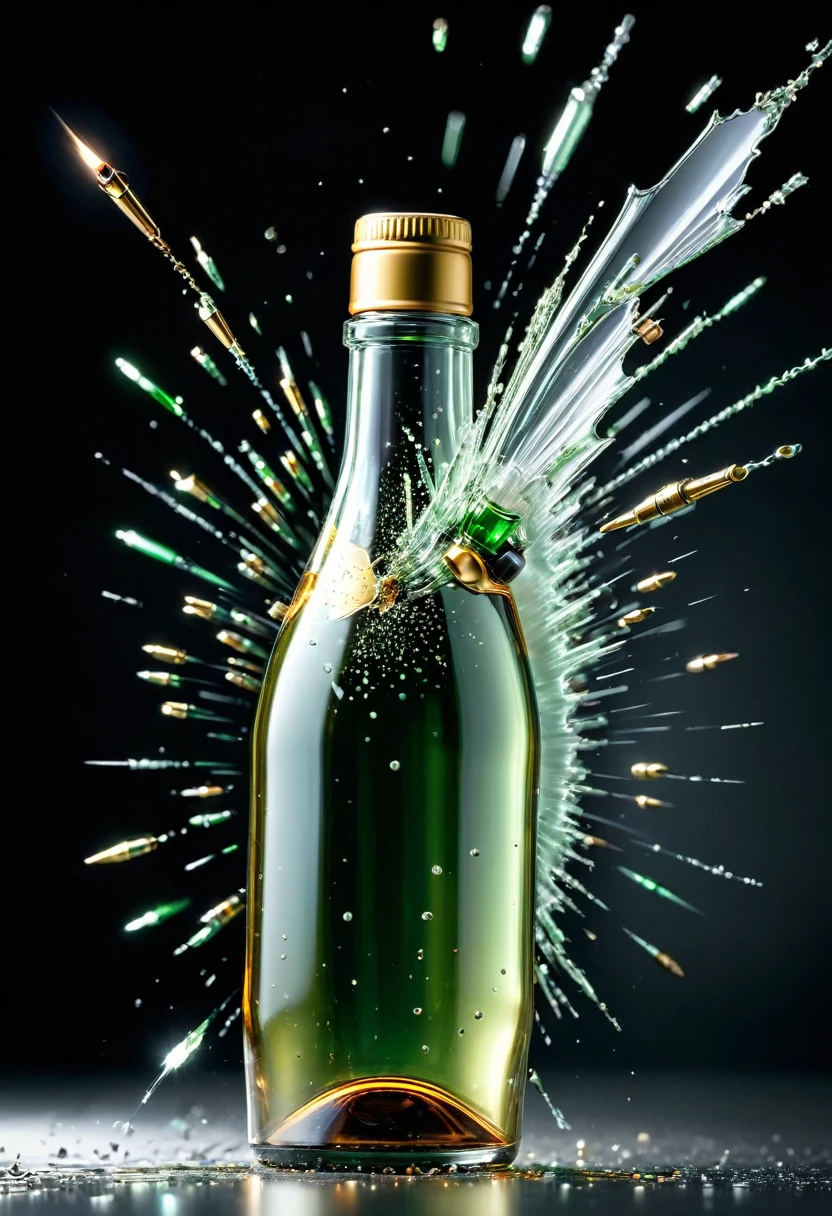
410	398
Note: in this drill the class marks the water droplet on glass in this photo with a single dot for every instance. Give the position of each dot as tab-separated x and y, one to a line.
417	1010
479	1015
425	1049
395	766
436	869
427	916
475	852
348	916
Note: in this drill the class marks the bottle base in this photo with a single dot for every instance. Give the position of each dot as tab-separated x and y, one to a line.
384	1158
385	1123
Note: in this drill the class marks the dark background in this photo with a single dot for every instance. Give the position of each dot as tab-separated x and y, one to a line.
227	126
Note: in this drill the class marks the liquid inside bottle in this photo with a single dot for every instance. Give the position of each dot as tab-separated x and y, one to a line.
388	992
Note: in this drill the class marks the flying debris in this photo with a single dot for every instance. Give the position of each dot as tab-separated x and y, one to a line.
452	141
778	197
705	93
126	851
206	362
213	920
440	34
707	662
175	1058
538	25
166	679
515	153
210	819
719	871
208	265
664	960
676	497
174	404
156	916
161	553
649	884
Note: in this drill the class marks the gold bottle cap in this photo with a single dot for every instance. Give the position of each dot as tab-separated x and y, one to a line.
408	262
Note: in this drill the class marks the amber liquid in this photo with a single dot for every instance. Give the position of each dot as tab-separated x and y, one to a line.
388	996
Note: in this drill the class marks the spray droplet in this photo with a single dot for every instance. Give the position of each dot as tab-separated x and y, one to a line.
327	668
373	714
348	916
475	852
436	869
479	1015
425	1049
427	916
417	1010
420	954
395	766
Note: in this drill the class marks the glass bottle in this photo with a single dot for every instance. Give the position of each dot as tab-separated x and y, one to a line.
388	989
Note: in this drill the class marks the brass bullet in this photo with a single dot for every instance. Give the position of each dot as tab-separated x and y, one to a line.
675	497
707	662
648	771
635	617
656	581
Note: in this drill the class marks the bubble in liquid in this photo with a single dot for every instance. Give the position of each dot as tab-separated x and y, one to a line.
348	916
427	916
425	1049
475	852
436	869
417	1010
395	766
479	1015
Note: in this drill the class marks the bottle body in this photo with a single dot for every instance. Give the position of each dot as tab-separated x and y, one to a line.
388	994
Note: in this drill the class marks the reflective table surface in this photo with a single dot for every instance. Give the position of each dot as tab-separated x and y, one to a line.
652	1144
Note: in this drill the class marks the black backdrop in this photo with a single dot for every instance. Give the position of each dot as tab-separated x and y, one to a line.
227	127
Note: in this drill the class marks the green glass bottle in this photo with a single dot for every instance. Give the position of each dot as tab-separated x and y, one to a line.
388	990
